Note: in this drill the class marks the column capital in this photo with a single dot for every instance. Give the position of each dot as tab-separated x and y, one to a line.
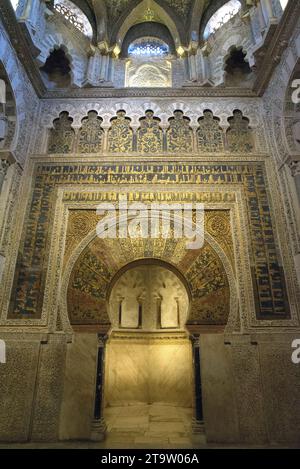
102	338
294	167
194	338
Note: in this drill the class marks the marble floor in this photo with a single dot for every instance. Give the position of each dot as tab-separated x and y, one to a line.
141	426
156	425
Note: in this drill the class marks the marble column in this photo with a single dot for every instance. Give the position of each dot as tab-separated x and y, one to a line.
134	136
98	68
205	68
93	69
3	117
257	22
267	9
193	75
34	16
98	430
198	421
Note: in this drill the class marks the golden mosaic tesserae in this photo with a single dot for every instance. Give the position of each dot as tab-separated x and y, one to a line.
149	223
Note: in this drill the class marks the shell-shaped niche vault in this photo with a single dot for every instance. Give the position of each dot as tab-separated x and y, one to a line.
148	297
151	285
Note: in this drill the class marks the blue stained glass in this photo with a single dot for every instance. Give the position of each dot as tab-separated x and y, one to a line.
148	47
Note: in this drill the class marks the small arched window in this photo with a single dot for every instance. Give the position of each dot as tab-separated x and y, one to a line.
148	47
15	4
283	3
148	64
74	15
221	17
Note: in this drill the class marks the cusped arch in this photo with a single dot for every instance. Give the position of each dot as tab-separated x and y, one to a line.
148	29
7	111
10	65
77	58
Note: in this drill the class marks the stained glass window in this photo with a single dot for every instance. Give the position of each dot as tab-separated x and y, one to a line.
74	15
221	17
148	47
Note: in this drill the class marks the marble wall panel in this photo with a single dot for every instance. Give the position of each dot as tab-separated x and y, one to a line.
149	371
281	389
79	387
17	382
218	393
48	394
248	391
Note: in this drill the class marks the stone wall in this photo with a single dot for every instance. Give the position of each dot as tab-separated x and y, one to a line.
149	370
31	384
251	390
79	387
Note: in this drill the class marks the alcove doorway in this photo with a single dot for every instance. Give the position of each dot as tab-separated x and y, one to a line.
148	373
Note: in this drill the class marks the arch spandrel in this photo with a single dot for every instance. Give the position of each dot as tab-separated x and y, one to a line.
209	281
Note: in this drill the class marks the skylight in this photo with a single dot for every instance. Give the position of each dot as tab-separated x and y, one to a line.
15	4
148	47
221	17
283	3
74	15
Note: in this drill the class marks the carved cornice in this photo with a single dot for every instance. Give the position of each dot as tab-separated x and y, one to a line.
276	41
197	329
150	336
184	92
99	329
269	55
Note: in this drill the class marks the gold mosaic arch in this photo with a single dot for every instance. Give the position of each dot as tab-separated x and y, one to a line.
95	262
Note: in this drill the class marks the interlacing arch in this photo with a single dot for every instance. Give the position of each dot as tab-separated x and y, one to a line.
149	133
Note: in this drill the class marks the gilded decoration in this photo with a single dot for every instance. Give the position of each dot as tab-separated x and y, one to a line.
150	138
179	134
239	135
149	135
182	7
209	134
217	223
120	136
90	137
267	273
90	278
152	73
61	138
115	8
